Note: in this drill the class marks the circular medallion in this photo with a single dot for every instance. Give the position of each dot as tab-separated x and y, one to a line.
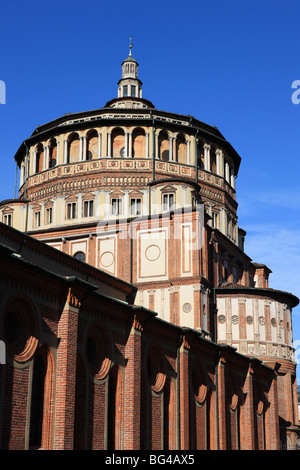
221	319
107	259
152	253
186	307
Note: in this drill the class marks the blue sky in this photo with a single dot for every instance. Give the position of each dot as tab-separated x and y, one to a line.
228	63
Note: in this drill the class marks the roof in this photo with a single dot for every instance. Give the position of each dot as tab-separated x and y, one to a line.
156	116
53	260
130	59
229	288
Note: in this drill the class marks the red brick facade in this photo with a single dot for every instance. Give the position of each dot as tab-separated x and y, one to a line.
131	316
111	375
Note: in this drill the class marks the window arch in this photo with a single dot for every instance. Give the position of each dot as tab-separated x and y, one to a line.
163	146
73	154
118	143
39	158
91	145
139	143
181	149
20	328
52	153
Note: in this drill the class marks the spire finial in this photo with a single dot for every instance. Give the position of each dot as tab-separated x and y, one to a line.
130	45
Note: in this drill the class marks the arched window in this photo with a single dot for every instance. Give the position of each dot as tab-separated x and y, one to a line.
181	149
52	153
79	255
39	158
73	148
118	143
139	143
91	145
163	146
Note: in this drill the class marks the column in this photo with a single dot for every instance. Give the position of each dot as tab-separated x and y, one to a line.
223	219
132	395
130	145
99	144
81	148
57	152
188	157
126	144
126	203
156	149
45	162
79	202
220	162
227	172
210	222
174	150
84	148
273	422
207	157
34	162
42	221
66	375
22	174
54	211
109	144
232	178
184	395
147	145
170	149
66	151
247	414
221	392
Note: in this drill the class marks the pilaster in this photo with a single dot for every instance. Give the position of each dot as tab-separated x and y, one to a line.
66	374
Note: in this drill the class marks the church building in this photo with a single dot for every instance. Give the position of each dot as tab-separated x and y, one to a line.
132	317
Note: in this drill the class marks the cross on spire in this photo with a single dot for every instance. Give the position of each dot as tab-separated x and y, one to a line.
130	45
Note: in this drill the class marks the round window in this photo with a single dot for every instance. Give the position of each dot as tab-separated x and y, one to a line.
79	255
